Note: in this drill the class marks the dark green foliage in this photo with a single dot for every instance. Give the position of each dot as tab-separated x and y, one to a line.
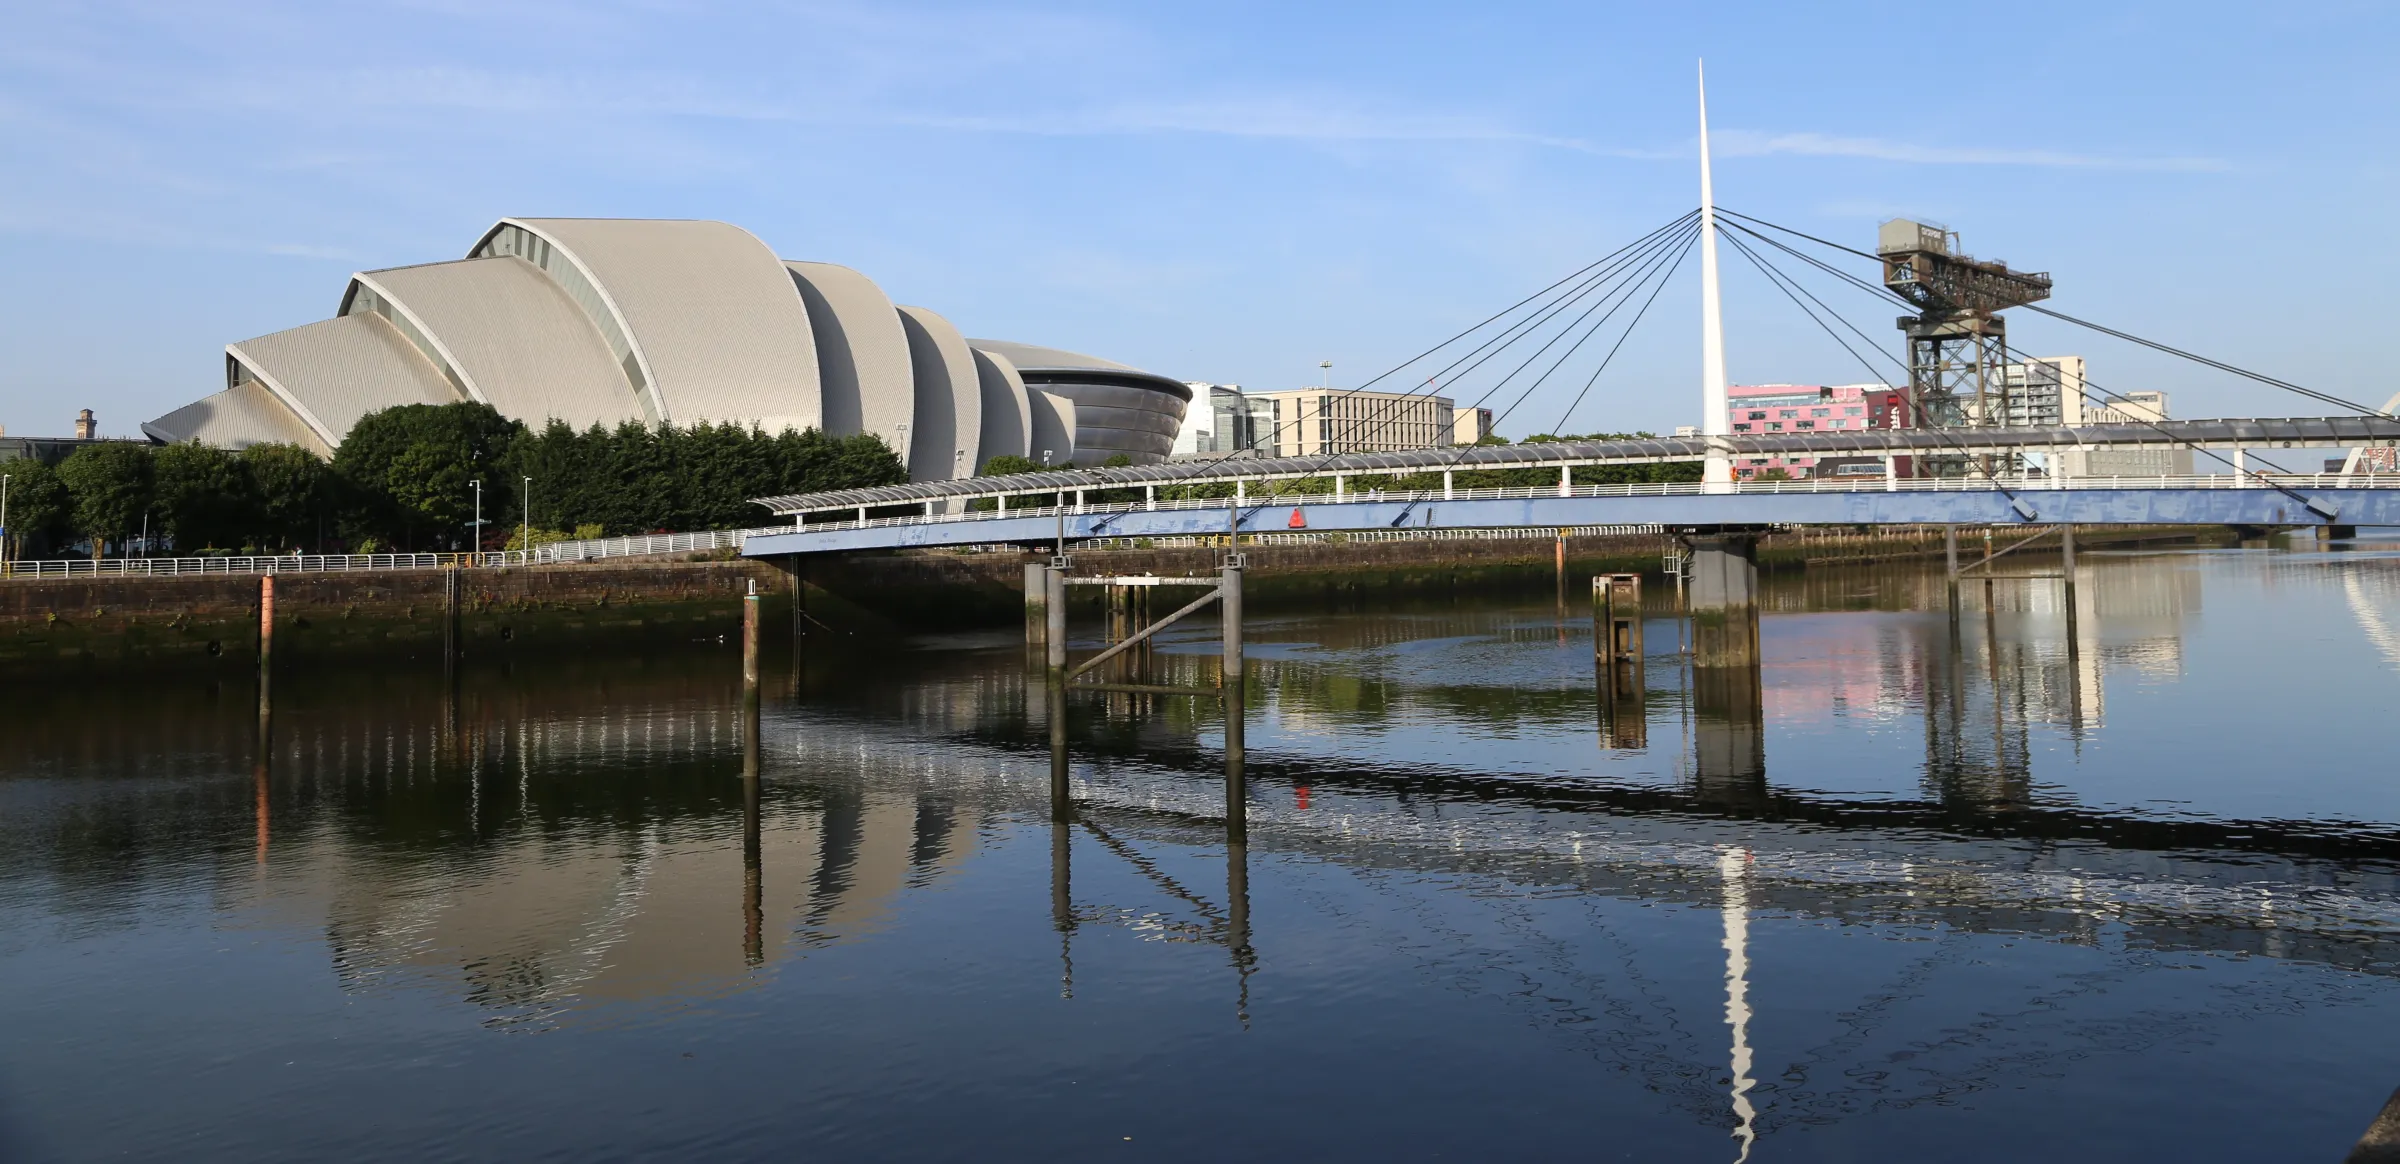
1007	464
109	486
205	496
292	492
637	480
405	472
38	506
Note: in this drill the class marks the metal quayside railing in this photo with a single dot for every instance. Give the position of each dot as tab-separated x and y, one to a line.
594	549
641	545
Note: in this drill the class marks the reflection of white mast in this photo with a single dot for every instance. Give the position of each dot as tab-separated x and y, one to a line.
2370	620
1734	866
1717	475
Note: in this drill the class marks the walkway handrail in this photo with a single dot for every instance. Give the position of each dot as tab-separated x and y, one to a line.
2024	484
1942	444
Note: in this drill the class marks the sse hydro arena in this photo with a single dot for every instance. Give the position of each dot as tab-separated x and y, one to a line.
602	321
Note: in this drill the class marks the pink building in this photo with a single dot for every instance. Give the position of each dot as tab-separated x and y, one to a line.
1787	408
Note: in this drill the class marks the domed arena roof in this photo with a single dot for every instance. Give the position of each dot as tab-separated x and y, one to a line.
603	321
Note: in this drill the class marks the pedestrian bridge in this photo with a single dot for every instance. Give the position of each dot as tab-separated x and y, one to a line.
1351	492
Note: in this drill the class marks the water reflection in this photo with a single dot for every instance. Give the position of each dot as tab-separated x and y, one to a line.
1903	871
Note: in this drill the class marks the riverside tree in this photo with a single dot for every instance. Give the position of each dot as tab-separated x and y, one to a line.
204	496
291	488
405	472
109	489
38	506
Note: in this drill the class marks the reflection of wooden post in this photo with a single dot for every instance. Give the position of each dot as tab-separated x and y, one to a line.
1054	651
451	585
1237	792
753	911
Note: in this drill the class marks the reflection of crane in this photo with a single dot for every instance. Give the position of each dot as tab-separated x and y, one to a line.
2370	620
1957	341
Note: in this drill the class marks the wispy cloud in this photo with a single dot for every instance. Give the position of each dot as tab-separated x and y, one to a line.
1739	143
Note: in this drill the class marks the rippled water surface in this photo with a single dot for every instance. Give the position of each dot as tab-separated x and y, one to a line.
1925	891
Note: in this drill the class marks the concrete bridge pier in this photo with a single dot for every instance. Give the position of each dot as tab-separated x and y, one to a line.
1723	598
1037	611
1729	738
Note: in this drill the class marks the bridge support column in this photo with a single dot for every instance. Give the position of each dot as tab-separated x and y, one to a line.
1237	790
1037	609
1724	599
1447	483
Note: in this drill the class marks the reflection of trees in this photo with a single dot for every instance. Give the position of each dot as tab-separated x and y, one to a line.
562	833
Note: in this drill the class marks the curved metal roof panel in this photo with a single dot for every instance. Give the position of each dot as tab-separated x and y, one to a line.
713	312
1040	363
516	339
864	368
1053	428
333	372
241	416
1007	414
949	392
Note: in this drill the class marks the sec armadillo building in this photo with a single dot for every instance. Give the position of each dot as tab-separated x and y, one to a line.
605	321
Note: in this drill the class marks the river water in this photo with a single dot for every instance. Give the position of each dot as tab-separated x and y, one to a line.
1971	891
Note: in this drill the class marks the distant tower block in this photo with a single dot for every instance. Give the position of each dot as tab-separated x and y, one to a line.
86	428
1957	341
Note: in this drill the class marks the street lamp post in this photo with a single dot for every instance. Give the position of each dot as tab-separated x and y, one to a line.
477	527
525	522
7	558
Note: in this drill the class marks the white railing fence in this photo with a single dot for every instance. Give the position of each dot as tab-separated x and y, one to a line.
1271	500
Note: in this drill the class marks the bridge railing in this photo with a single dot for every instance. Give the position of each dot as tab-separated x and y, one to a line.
2029	484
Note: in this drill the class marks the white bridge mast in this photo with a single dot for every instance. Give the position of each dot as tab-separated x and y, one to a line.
1717	476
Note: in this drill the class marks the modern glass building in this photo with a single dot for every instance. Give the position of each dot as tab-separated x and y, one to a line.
607	321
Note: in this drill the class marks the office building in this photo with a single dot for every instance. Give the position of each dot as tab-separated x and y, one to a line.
1313	421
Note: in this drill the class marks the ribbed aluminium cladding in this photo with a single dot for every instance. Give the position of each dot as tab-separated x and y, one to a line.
949	394
864	370
711	310
236	418
515	338
1007	414
602	321
1054	428
335	371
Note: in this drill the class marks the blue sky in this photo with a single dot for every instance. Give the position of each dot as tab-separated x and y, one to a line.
1225	191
